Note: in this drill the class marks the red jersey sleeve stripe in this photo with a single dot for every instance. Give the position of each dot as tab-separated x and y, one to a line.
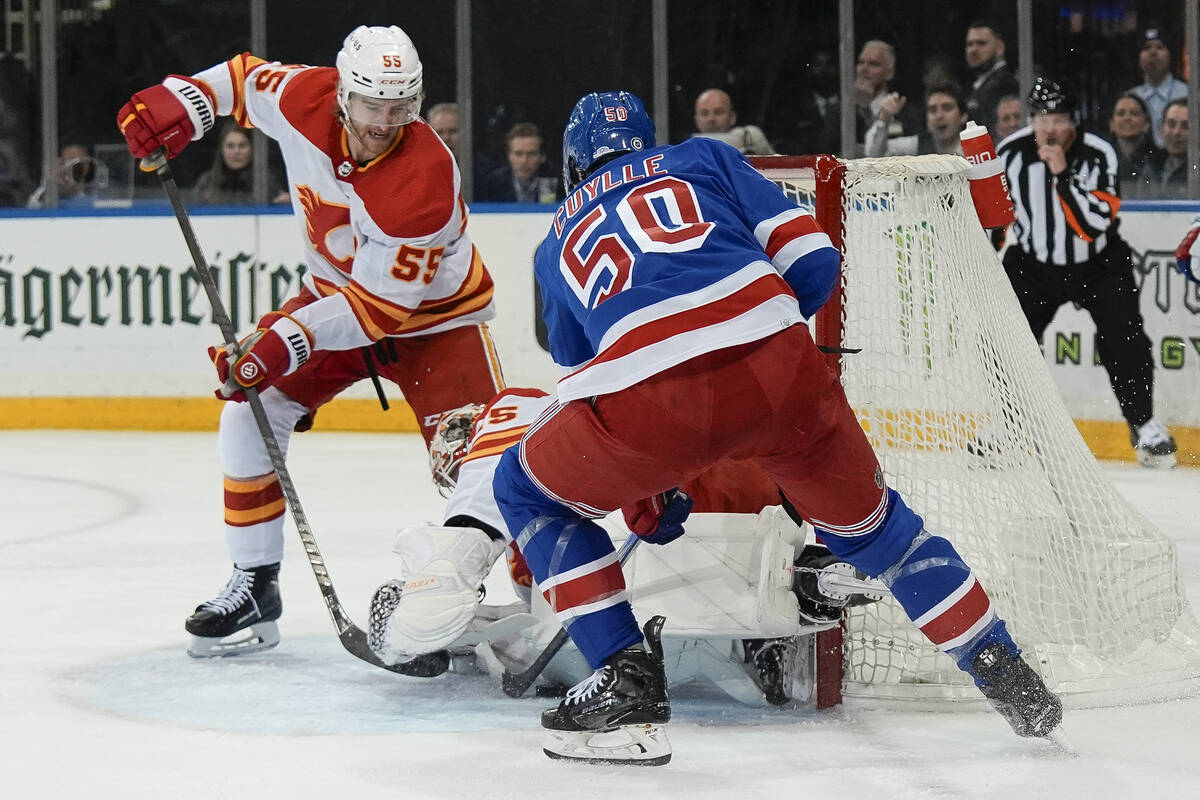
789	231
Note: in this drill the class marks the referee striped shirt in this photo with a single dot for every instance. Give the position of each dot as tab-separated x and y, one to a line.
1068	219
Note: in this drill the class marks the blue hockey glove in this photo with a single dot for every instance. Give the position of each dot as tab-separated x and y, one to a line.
659	519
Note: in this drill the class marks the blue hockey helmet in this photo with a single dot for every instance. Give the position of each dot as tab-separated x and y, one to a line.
603	125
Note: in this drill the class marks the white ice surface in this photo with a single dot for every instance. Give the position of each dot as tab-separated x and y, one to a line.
110	539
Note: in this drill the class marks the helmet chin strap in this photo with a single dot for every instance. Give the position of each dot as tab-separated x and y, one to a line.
352	131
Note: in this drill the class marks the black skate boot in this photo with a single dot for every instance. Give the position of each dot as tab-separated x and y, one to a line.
824	585
250	600
1153	444
773	662
617	715
1016	691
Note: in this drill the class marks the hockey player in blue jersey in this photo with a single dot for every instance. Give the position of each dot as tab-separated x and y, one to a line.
676	282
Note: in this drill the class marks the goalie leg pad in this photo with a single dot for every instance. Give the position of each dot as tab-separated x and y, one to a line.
436	602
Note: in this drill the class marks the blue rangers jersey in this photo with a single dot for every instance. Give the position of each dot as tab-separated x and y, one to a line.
665	254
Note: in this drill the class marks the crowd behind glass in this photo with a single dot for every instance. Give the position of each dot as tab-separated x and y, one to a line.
760	76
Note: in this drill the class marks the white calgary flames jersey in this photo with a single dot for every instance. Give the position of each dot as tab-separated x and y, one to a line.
500	426
385	243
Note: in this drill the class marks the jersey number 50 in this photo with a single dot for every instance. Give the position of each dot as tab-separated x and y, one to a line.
661	216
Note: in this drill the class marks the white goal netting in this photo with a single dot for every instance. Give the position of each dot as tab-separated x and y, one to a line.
955	396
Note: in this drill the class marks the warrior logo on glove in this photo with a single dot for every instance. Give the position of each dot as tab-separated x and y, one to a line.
248	373
278	347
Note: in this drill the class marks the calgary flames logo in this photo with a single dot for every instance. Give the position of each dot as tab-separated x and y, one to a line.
325	222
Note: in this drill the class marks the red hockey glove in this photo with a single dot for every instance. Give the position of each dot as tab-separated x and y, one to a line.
659	519
278	347
168	115
1188	254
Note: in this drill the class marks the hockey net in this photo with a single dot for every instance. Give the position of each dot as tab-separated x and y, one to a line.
955	396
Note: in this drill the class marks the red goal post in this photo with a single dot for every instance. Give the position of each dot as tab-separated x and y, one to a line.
955	396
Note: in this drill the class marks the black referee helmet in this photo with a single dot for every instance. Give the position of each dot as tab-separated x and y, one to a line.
1049	96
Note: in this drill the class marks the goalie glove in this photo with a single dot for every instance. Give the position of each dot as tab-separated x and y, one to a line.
279	346
169	115
1187	256
659	519
443	569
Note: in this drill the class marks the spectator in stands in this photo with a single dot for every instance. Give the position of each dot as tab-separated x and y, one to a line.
988	72
443	118
14	186
230	179
1129	132
77	171
1170	164
945	115
716	119
520	181
814	124
18	129
1159	86
1009	115
873	74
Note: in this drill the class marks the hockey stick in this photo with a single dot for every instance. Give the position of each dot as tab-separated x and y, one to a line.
517	683
351	636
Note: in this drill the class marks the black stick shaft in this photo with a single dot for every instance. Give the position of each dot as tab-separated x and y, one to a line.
517	683
351	636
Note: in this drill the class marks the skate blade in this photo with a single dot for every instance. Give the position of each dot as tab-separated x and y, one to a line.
1156	462
261	636
1058	738
632	745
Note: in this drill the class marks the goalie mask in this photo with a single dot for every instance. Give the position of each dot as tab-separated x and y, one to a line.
449	445
379	77
602	126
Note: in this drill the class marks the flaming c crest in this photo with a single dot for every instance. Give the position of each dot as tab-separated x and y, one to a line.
324	222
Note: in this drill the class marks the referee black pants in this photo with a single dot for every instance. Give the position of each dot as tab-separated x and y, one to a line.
1104	287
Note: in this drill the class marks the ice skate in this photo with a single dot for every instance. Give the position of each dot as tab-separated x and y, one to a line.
1016	691
241	618
616	716
824	585
773	662
1153	444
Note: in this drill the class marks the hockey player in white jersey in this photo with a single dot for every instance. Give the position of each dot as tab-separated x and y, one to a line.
393	284
739	591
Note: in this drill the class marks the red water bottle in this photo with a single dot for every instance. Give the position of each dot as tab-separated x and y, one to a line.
989	186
